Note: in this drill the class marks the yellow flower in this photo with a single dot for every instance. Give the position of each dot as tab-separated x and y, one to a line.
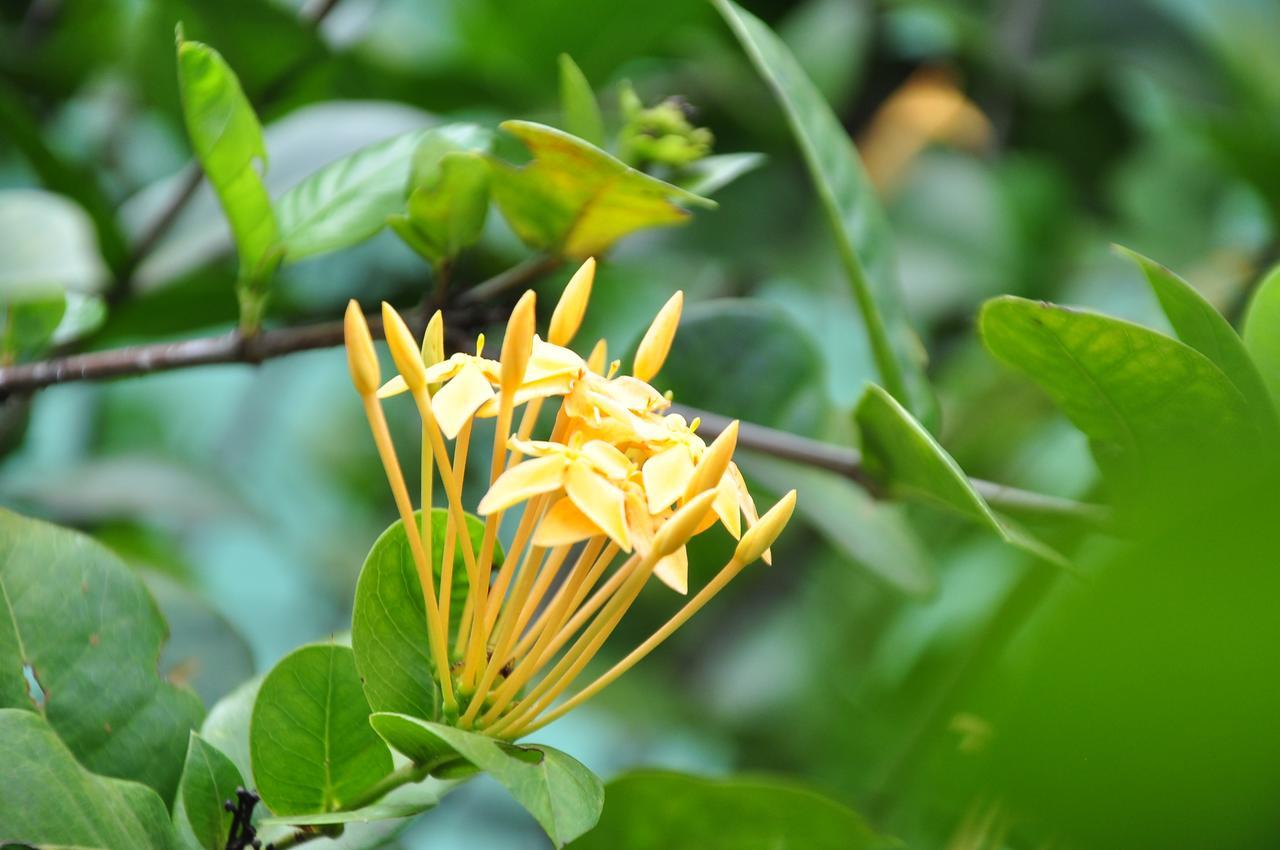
606	502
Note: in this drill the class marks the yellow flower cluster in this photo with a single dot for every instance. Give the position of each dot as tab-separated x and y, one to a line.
609	500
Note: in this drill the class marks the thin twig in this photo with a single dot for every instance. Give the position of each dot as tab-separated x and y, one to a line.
848	464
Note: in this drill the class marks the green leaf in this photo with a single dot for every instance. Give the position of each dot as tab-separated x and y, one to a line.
209	779
712	173
658	810
227	140
447	214
579	111
906	459
388	624
576	200
47	245
861	231
1146	401
309	740
1262	330
347	201
875	535
563	796
49	799
27	327
76	619
1201	326
725	345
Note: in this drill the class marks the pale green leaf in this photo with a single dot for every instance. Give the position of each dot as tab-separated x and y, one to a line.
47	245
579	110
347	201
310	743
575	200
562	795
227	140
77	617
448	213
712	173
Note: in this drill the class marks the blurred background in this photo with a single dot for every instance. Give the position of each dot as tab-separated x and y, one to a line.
1011	142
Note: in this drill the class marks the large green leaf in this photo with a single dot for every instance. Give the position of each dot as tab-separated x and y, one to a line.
388	624
562	795
658	810
1262	330
579	111
1144	400
748	360
227	140
209	780
905	458
347	201
84	627
1201	326
309	741
861	231
49	799
576	200
875	535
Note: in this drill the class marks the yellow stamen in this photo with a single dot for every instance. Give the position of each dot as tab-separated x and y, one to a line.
754	543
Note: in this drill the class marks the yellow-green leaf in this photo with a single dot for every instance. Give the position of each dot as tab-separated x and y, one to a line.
575	200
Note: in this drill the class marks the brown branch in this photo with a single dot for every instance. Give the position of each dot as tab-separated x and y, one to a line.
848	464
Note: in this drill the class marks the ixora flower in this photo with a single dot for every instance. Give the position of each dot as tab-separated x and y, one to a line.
609	499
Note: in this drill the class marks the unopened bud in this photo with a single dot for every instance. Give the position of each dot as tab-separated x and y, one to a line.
361	356
517	343
572	306
714	462
677	530
404	349
656	344
760	536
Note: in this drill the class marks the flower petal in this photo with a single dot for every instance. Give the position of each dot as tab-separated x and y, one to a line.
639	522
393	387
726	506
522	481
747	505
673	571
602	502
535	448
459	399
608	460
665	476
563	525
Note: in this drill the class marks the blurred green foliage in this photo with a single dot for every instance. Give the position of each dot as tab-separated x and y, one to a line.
901	660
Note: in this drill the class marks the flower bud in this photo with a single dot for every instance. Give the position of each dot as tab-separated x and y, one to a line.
760	536
517	343
361	356
656	344
714	462
572	306
677	530
433	341
599	357
404	349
